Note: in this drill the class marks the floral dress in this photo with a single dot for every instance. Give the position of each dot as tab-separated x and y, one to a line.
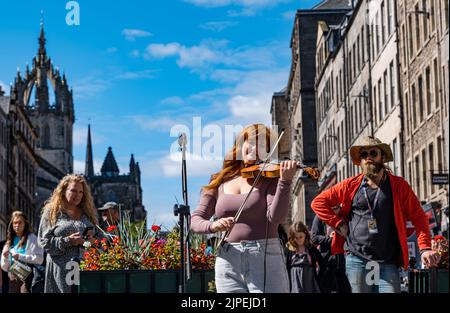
54	239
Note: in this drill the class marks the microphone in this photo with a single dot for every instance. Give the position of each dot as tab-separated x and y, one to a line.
182	140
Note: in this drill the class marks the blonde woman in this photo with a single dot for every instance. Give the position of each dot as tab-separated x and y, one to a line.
65	217
247	262
21	246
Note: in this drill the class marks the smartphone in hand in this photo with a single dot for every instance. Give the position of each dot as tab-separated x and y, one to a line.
86	232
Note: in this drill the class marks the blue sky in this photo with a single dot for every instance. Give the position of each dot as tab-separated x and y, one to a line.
138	68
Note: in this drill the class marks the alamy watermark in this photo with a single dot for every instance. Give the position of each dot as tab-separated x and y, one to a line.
73	16
213	142
73	274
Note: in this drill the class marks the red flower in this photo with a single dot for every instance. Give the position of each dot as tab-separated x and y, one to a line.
111	228
439	238
155	228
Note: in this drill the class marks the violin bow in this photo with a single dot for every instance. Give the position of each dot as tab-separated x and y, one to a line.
241	208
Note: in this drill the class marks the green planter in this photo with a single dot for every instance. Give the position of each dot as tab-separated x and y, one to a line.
435	280
141	281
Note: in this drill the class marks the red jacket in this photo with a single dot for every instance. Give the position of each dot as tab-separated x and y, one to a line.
406	208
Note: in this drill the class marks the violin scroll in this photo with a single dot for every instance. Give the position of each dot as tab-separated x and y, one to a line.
312	172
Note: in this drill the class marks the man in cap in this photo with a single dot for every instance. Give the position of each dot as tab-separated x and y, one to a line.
371	225
110	215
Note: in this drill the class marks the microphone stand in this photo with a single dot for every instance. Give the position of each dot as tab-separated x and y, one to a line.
183	211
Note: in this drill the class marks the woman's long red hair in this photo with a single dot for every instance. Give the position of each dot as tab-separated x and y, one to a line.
233	162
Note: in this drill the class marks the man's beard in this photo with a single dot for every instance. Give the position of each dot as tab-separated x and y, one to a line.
371	170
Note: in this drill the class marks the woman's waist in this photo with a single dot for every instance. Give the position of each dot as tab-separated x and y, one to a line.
252	232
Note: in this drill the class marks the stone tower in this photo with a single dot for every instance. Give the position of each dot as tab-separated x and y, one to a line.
111	185
53	122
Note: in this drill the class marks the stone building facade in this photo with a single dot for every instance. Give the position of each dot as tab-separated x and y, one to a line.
357	88
22	160
424	72
3	163
110	185
383	71
300	94
280	118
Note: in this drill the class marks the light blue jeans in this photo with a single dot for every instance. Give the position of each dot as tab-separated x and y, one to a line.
371	277
240	267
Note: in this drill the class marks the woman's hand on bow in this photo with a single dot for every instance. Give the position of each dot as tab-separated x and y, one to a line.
222	224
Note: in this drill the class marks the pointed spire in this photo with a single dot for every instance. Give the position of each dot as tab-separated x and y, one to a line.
89	167
27	71
18	77
109	167
42	39
132	165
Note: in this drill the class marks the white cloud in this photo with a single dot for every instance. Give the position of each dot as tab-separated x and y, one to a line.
170	166
89	86
218	26
156	123
227	76
132	34
209	52
94	84
160	51
197	57
249	100
173	101
136	75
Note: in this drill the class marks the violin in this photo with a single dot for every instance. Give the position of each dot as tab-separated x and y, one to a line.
272	170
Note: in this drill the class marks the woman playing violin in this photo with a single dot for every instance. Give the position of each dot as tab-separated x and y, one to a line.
251	258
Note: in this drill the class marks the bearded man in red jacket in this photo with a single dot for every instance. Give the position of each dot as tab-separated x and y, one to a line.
371	225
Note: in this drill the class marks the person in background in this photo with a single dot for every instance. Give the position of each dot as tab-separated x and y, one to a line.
110	215
38	283
303	261
3	274
66	216
333	277
371	224
21	246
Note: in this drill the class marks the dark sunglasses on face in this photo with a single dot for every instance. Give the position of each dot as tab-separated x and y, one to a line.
364	154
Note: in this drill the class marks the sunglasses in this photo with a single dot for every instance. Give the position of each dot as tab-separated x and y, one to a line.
364	154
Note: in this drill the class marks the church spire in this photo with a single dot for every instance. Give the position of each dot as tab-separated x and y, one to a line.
42	39
89	167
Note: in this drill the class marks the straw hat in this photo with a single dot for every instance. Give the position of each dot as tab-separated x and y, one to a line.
370	142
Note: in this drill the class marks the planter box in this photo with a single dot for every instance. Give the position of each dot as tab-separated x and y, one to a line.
435	280
141	281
